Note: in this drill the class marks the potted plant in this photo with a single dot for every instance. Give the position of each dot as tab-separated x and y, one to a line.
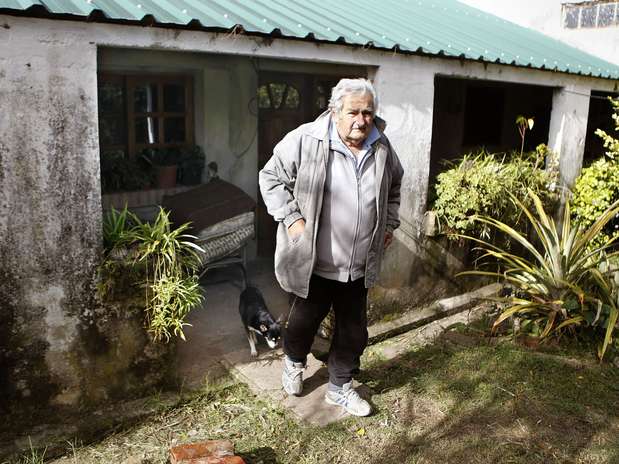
191	165
121	173
165	164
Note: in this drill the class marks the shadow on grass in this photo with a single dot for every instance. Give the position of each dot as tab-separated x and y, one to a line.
262	455
493	405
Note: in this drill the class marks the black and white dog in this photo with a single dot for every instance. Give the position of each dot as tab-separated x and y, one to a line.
257	319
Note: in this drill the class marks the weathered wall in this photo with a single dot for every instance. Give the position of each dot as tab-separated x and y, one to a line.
59	349
49	174
49	211
568	129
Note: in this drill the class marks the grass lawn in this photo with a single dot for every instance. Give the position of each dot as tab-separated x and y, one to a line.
442	403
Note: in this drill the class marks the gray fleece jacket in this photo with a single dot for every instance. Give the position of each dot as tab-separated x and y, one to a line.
292	184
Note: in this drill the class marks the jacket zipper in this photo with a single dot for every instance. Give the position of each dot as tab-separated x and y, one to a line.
354	243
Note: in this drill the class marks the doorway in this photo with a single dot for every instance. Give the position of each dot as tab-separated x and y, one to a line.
285	101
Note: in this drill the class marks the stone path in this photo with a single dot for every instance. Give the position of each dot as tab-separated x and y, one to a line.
217	341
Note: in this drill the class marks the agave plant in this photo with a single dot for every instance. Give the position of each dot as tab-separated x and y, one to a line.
558	279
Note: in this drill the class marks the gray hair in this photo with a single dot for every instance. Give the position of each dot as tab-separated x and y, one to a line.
351	86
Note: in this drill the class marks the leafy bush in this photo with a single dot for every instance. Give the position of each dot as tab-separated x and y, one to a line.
161	260
560	282
597	187
122	173
611	143
479	185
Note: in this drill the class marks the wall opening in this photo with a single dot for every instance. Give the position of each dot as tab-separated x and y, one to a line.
600	117
473	114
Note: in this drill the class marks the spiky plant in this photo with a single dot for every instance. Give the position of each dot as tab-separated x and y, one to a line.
558	278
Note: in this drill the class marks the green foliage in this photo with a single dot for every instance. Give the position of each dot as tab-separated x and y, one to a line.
34	456
161	260
191	165
611	143
561	282
122	173
190	161
479	185
597	187
116	224
161	156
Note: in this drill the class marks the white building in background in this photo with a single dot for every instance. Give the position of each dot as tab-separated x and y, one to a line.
592	26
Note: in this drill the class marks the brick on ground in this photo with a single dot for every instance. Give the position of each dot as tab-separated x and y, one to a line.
207	452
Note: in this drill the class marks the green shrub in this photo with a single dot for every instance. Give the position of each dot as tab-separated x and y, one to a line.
122	173
561	283
479	185
611	143
161	260
597	187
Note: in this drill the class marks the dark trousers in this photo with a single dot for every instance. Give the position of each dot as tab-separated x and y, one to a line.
350	336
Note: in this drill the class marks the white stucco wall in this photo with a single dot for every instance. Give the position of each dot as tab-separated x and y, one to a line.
49	159
546	17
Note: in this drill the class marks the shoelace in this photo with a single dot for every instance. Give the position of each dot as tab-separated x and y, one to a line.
295	371
350	395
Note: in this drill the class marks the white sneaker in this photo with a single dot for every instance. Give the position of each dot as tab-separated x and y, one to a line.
292	377
349	399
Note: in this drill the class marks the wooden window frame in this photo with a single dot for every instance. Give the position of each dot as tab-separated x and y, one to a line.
130	82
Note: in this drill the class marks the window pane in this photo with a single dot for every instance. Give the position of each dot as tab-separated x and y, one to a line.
321	100
146	130
174	129
145	98
112	131
292	98
606	15
263	97
588	15
174	97
571	16
111	97
277	93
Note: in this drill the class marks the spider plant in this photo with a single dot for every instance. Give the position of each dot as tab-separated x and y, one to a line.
115	226
160	258
557	278
171	259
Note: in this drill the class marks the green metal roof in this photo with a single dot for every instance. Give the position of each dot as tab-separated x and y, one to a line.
433	27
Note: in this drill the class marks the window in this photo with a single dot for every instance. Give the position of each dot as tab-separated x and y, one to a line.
137	112
277	95
590	14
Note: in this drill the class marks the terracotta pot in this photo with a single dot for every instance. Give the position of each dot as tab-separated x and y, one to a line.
166	176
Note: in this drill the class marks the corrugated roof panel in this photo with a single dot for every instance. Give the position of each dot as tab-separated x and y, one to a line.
17	4
436	27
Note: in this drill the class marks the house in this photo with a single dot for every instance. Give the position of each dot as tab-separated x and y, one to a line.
592	26
81	78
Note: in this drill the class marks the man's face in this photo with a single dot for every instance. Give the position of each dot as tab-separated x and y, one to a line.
354	122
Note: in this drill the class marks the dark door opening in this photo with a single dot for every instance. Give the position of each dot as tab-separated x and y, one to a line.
285	101
600	117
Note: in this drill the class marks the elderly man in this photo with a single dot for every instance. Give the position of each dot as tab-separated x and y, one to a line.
334	187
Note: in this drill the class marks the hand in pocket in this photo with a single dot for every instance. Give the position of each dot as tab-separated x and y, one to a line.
296	229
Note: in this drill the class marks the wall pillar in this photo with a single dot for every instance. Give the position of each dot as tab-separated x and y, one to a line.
568	129
406	95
